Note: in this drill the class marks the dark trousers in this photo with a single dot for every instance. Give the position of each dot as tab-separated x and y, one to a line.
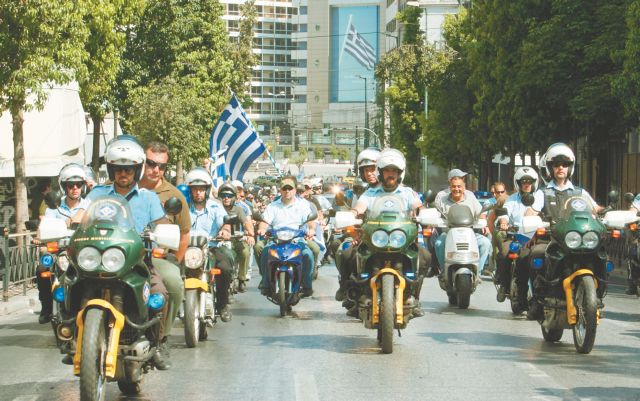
222	258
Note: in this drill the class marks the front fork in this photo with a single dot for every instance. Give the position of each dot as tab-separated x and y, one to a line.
568	286
375	284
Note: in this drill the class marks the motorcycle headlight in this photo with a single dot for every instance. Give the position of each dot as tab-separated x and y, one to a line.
89	258
193	258
590	240
573	239
397	239
380	239
63	263
285	235
113	259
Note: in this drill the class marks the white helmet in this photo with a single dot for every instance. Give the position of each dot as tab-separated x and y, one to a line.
237	184
124	150
391	158
199	176
367	157
542	167
525	172
559	152
71	172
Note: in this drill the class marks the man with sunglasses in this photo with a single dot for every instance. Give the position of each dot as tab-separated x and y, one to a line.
71	181
288	211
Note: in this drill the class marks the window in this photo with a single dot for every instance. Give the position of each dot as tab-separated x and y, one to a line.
233	9
302	63
301	98
302	46
302	28
303	10
233	25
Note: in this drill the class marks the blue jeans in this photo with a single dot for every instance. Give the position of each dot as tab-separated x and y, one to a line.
484	245
307	265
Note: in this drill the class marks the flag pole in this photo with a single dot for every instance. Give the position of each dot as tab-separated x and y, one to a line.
273	161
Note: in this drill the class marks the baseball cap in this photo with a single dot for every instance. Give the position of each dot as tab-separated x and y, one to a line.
287	181
456	172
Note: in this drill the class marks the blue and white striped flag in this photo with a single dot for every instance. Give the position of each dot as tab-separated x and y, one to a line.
218	168
235	132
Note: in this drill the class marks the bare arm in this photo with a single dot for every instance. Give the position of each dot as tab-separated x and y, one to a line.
182	248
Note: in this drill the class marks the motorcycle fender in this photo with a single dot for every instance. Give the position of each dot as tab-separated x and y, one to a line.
374	283
194	283
567	286
116	323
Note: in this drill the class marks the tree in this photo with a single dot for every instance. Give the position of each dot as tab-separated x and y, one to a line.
318	152
42	43
104	47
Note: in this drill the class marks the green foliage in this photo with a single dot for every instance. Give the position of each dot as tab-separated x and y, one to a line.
318	152
627	85
286	153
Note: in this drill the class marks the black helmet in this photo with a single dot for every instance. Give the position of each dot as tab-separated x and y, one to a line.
228	188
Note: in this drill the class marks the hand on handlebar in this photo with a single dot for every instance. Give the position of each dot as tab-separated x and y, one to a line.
261	232
251	241
224	235
309	235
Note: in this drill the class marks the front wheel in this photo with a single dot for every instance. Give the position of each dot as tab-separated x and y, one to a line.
191	318
463	290
586	302
514	298
387	313
94	351
282	295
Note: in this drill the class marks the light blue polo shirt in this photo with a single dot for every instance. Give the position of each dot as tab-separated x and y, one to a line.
293	215
407	194
145	205
209	220
64	212
516	209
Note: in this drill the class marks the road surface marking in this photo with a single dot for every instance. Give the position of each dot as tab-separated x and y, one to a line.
306	389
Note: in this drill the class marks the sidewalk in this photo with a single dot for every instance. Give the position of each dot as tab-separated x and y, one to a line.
20	303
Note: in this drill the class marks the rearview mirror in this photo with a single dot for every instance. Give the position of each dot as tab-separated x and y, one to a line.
629	197
173	206
313	216
527	199
613	196
257	216
53	199
429	196
231	218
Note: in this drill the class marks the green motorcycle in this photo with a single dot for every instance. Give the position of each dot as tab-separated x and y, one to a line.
106	287
573	283
387	265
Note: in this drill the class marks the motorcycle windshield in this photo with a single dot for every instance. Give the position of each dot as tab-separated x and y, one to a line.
109	210
575	204
388	206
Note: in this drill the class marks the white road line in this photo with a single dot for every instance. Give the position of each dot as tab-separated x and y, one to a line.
306	389
30	397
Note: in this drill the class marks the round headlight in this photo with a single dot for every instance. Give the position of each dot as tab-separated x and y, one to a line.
63	263
193	258
89	258
113	259
590	240
285	235
380	239
573	239
397	239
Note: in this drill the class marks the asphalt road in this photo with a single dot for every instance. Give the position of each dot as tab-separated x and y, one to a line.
318	353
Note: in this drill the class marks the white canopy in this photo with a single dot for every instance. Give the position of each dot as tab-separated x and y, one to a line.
53	136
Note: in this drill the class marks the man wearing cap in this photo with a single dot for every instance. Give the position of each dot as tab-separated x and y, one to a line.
457	194
288	211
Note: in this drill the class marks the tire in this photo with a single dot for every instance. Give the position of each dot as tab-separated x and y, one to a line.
282	295
191	318
94	350
453	299
586	301
387	313
463	290
314	275
516	308
129	389
551	335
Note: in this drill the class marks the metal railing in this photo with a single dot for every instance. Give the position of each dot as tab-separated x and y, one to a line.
19	260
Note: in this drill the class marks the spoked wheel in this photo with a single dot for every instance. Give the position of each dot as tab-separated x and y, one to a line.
586	301
387	313
191	318
282	295
94	351
516	308
129	389
463	290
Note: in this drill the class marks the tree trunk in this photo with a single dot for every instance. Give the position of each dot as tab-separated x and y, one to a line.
95	153
179	172
22	214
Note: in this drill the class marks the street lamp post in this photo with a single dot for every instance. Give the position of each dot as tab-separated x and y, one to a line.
366	113
276	136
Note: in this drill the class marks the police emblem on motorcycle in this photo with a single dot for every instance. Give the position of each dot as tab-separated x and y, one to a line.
106	212
146	292
389	204
578	205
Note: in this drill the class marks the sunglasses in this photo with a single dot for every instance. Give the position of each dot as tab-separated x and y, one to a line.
526	181
71	185
227	195
498	192
287	188
126	169
153	164
561	164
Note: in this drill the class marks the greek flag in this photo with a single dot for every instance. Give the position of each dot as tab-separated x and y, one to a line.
235	132
218	168
359	48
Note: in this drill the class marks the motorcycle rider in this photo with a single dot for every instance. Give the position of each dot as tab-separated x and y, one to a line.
458	194
391	166
71	180
242	247
208	216
559	162
631	287
125	160
288	211
525	180
153	179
